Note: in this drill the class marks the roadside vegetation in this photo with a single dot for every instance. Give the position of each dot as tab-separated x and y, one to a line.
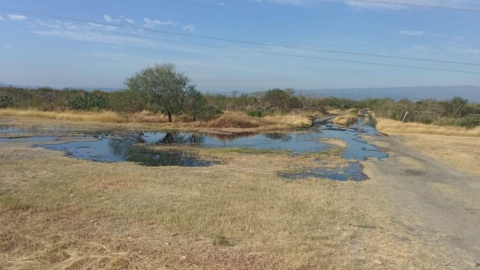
160	94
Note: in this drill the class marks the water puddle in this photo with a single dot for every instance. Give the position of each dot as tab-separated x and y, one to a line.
30	139
126	149
121	145
9	130
353	171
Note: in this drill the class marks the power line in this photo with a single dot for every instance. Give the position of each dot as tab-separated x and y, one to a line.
285	54
253	42
413	5
258	43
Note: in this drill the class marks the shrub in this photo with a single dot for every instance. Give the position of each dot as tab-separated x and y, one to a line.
5	101
88	101
254	113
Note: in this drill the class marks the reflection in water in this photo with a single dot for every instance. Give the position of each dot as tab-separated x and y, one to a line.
133	146
127	149
279	136
230	136
9	129
165	158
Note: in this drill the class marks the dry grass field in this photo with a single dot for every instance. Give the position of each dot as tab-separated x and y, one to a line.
393	127
229	121
58	212
457	147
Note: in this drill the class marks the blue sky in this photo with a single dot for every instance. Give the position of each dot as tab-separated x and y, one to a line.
241	45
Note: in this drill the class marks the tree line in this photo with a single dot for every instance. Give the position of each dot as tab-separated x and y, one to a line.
161	89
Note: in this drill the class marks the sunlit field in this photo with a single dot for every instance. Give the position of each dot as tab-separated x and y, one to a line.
238	214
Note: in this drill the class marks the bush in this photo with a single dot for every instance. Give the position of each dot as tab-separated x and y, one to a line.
5	101
254	113
469	121
88	101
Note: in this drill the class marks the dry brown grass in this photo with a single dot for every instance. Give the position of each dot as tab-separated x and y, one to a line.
345	120
459	152
105	116
233	121
229	121
62	213
389	126
456	146
334	141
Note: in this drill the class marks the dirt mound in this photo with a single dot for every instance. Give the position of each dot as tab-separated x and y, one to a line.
229	121
345	120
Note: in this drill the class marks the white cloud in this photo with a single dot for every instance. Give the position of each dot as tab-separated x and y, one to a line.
88	36
152	23
7	47
130	21
401	4
14	17
460	48
1	18
109	19
101	27
289	2
90	32
386	4
189	28
421	48
412	33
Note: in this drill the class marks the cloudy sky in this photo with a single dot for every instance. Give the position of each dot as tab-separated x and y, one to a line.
242	44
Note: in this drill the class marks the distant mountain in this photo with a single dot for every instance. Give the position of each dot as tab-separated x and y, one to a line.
472	93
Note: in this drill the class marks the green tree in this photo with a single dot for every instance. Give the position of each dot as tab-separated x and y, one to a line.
127	101
89	101
163	86
455	107
195	102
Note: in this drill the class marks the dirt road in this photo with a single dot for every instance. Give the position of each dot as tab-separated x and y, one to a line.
443	202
